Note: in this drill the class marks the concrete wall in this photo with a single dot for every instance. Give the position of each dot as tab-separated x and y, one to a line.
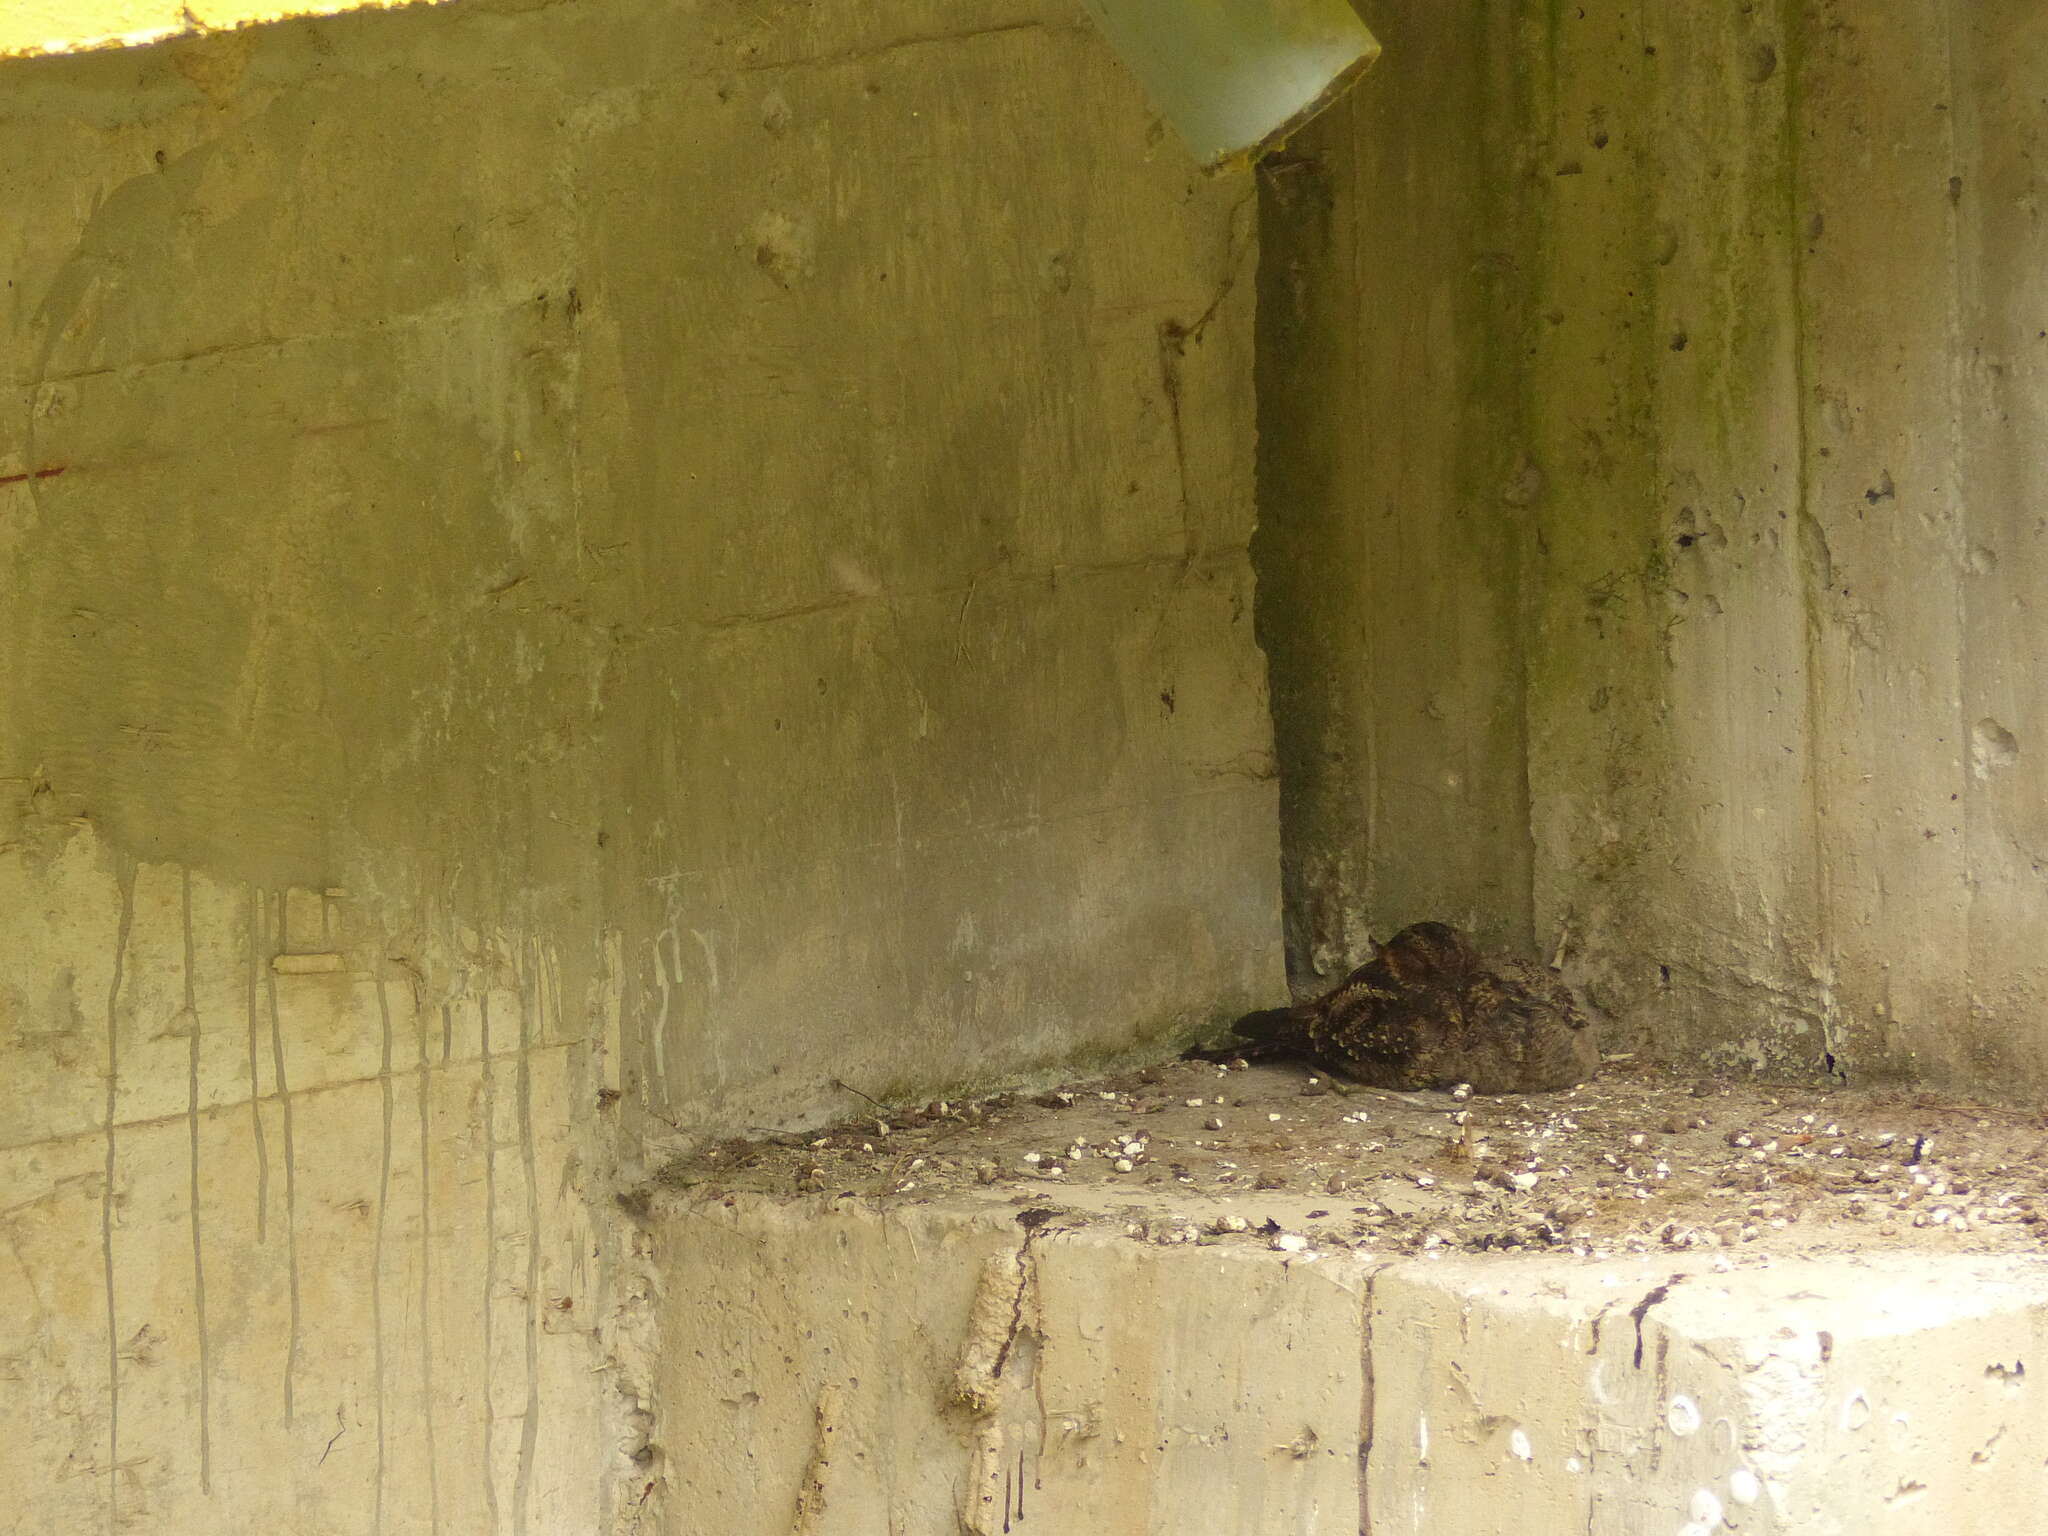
1647	414
568	567
935	1370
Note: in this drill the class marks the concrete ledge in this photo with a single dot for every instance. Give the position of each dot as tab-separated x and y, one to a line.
964	1366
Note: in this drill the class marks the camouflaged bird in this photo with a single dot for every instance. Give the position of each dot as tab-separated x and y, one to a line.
1430	1011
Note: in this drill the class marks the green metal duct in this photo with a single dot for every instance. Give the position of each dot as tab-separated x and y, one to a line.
1235	77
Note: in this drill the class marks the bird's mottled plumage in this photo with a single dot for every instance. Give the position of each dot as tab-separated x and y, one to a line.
1429	1011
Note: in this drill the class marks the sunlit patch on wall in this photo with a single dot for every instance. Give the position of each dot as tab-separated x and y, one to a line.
71	26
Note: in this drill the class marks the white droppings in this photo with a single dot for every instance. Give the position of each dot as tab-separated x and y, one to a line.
1706	1508
1422	1438
1683	1416
1573	1464
1519	1447
1855	1411
1743	1486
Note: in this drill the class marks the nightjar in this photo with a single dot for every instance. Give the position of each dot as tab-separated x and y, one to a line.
1430	1011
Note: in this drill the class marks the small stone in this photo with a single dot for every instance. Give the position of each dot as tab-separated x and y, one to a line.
1196	1103
1462	1092
1269	1179
1213	1123
1125	1165
1290	1242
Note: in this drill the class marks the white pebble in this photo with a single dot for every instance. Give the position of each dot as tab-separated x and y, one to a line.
1743	1486
1196	1103
1683	1416
1706	1508
1519	1447
1033	1158
1291	1242
1124	1165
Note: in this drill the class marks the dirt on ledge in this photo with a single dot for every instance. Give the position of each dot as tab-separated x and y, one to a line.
1285	1156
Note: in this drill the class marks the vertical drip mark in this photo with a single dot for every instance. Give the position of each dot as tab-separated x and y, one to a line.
1368	1407
529	1005
256	1075
447	1032
198	1247
426	1269
127	880
490	1111
291	1182
377	1250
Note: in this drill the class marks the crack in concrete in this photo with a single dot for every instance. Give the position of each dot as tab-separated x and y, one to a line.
291	1183
127	924
883	50
377	1248
1641	1310
198	1245
1368	1401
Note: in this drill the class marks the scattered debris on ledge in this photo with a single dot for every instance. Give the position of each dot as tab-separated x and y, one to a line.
1285	1156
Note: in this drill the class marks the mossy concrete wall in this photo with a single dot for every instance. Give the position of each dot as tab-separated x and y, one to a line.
570	575
1650	547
